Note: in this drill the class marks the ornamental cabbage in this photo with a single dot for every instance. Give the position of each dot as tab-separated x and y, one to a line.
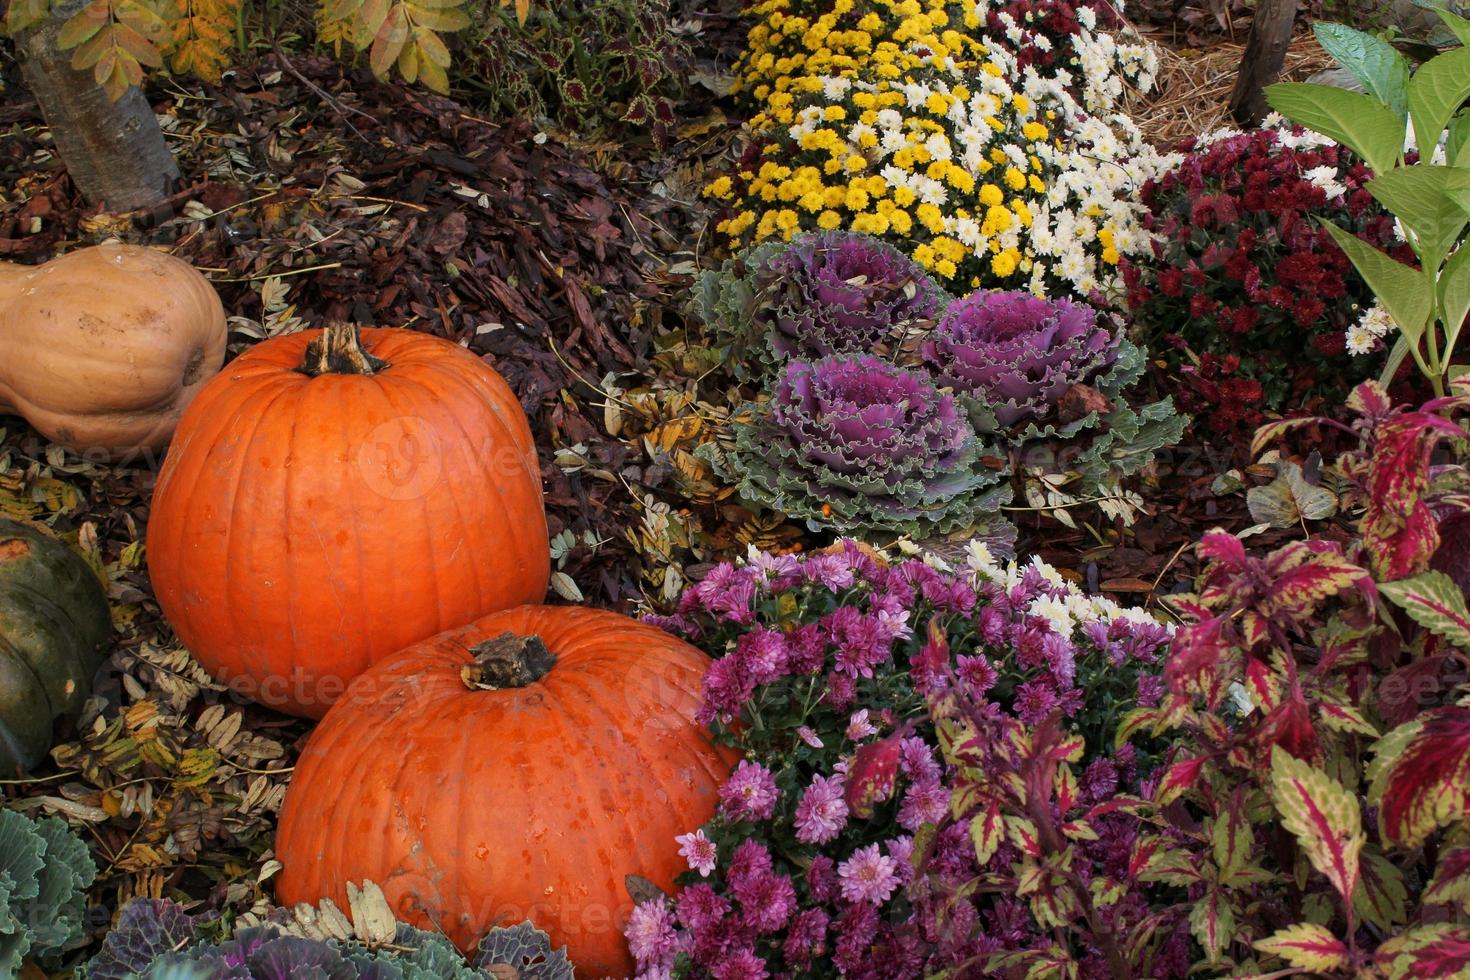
857	443
820	294
1016	354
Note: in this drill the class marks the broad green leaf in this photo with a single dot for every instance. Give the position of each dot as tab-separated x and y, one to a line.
1426	198
1459	136
1435	602
1454	295
1360	122
1323	817
1435	93
1396	355
1459	25
1373	61
1400	288
1306	947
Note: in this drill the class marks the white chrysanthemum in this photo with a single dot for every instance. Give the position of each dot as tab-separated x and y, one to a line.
835	87
1326	178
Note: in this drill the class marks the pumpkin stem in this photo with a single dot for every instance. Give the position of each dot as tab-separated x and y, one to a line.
507	660
338	350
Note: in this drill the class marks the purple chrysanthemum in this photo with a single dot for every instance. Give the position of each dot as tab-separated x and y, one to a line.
699	851
750	793
650	935
868	876
822	812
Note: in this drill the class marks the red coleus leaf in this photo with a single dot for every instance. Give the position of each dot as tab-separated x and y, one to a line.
1446	958
1181	776
1224	548
1402	693
1303	575
872	774
1203	660
1399	531
1289	725
1451	883
1370	400
1420	777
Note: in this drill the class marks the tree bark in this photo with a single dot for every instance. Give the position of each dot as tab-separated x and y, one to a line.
114	151
1265	53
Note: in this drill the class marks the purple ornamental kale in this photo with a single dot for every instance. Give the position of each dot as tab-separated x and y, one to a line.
855	442
1015	354
839	292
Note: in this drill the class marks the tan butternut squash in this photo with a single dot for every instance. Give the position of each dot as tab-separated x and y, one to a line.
101	349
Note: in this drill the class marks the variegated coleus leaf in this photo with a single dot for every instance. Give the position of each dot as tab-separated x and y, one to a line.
872	775
1451	882
1325	819
1420	775
1435	602
1440	951
1399	531
1213	923
1306	946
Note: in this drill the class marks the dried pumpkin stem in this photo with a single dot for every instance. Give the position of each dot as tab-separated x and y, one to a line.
338	350
507	660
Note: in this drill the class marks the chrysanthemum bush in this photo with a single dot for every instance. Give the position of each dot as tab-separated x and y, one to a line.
795	38
986	178
1243	288
834	850
930	415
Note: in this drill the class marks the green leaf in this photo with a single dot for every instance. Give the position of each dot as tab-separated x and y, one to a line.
1323	817
1454	295
1373	61
1290	498
1360	122
1435	602
1435	93
1400	288
1426	198
1396	356
1459	136
1456	23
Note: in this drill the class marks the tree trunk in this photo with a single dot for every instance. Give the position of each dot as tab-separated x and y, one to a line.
114	151
1265	52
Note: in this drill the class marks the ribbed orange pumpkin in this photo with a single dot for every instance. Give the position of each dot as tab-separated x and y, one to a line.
327	503
480	781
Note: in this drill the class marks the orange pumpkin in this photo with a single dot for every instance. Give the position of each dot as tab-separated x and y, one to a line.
482	778
327	502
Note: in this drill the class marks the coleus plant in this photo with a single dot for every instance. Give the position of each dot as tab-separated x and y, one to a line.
1429	303
1314	811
